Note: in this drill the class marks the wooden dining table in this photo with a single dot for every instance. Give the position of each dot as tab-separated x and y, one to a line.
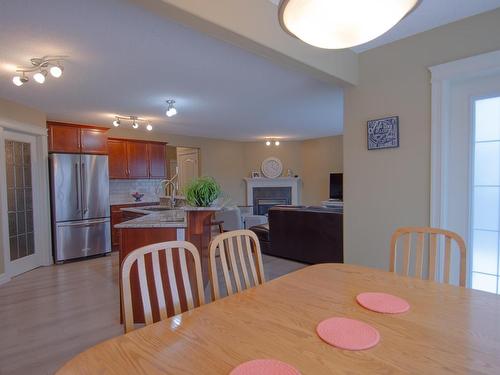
448	329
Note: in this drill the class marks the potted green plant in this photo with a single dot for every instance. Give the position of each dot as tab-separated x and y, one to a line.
202	192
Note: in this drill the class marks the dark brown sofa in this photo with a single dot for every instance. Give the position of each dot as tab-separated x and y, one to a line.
305	234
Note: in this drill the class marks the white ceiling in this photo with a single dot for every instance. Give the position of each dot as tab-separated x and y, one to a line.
126	60
429	15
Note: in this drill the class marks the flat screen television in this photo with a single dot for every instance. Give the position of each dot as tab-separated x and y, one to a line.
336	186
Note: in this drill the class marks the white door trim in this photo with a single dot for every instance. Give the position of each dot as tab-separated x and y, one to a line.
40	195
442	78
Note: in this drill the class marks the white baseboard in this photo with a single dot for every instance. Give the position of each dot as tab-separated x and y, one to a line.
4	278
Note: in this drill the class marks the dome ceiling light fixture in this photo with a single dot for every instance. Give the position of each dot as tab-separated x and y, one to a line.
134	120
42	66
338	24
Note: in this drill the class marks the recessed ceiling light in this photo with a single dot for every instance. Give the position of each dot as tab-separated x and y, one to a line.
276	143
149	127
268	143
116	123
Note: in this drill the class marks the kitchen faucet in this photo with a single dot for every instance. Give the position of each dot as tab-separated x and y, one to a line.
165	185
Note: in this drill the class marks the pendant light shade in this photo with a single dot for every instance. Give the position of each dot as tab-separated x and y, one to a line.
336	24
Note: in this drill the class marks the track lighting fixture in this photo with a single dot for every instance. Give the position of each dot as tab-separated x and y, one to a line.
269	142
171	110
136	121
42	66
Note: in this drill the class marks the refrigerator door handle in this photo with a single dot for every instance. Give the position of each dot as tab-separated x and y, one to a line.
84	224
77	190
84	192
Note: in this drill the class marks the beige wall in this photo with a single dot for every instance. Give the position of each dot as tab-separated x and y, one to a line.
229	161
15	113
10	111
320	157
385	189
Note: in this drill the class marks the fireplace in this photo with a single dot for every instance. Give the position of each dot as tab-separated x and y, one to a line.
266	197
263	193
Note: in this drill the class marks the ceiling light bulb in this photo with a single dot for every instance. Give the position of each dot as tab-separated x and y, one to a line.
135	125
56	71
171	112
336	24
116	123
40	76
268	143
149	127
17	81
277	143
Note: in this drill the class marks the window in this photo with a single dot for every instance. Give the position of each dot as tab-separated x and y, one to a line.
486	196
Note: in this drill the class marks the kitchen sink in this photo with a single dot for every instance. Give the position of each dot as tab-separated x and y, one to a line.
156	209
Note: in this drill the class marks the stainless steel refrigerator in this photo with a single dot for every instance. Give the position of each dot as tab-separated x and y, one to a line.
80	205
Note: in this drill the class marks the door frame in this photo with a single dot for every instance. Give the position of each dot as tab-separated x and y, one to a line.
41	215
442	78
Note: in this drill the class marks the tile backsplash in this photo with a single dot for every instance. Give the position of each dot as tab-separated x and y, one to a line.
120	190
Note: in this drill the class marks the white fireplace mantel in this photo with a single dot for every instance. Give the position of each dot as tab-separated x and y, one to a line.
294	182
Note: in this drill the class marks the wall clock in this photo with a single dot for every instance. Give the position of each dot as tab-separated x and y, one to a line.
272	167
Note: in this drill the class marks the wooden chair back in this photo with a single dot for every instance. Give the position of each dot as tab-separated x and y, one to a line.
173	289
239	250
433	234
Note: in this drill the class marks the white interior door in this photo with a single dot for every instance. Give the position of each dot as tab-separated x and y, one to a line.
20	214
188	163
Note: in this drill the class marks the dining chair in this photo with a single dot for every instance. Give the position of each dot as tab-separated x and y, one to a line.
153	269
239	253
434	235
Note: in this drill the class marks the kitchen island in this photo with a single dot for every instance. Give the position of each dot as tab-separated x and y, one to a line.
157	224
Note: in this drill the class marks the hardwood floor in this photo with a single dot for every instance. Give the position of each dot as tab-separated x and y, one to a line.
50	314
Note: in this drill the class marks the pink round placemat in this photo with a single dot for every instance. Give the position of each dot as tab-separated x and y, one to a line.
348	334
383	303
264	367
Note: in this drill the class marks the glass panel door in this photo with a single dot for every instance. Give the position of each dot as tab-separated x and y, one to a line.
19	199
486	196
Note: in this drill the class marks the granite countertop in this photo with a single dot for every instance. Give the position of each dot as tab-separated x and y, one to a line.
119	202
161	219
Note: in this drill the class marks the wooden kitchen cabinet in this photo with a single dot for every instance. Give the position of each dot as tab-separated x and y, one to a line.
133	159
137	159
93	141
118	216
63	138
75	138
117	161
157	160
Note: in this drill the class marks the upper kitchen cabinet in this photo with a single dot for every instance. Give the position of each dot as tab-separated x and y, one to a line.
132	159
137	159
74	138
117	160
157	160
